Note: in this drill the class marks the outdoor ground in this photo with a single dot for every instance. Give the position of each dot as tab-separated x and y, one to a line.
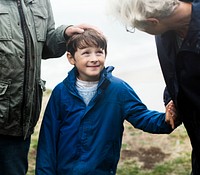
142	153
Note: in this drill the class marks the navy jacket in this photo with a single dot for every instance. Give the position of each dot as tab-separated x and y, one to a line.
76	139
181	66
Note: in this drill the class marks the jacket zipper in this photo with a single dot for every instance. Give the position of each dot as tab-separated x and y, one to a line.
26	37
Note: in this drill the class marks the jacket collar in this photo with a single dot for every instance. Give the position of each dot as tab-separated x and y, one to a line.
70	80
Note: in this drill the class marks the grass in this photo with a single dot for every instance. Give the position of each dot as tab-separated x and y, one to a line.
171	154
177	166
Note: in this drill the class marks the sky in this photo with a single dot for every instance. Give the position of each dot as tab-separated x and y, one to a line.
133	55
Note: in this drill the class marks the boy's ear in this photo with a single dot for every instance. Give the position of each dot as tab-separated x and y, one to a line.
153	21
70	58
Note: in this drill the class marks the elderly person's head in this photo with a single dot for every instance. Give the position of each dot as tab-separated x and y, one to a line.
144	15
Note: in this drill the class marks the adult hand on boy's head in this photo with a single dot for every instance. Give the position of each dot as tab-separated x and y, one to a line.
79	29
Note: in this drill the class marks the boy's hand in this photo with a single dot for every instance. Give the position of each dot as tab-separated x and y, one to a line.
171	115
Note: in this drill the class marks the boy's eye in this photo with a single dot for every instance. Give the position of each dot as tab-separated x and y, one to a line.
100	51
85	53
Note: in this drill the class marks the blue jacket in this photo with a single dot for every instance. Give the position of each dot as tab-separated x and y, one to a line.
76	139
181	66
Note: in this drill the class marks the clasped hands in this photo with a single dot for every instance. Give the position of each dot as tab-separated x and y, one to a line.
171	115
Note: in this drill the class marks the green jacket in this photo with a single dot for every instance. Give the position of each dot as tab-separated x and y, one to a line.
21	51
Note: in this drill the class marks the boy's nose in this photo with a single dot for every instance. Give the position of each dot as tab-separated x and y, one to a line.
93	58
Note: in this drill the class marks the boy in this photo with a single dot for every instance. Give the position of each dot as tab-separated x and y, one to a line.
82	128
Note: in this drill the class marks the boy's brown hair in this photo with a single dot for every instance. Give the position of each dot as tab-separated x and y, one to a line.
89	38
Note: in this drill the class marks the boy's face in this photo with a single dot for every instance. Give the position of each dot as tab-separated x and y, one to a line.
89	62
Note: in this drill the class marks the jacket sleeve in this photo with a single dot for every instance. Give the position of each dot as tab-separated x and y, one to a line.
46	151
166	96
55	44
142	118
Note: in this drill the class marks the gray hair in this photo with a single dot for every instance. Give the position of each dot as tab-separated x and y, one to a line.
134	13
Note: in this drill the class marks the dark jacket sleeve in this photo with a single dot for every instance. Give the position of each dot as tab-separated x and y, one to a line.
166	96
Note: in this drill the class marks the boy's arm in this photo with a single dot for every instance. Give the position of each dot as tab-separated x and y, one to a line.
142	118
